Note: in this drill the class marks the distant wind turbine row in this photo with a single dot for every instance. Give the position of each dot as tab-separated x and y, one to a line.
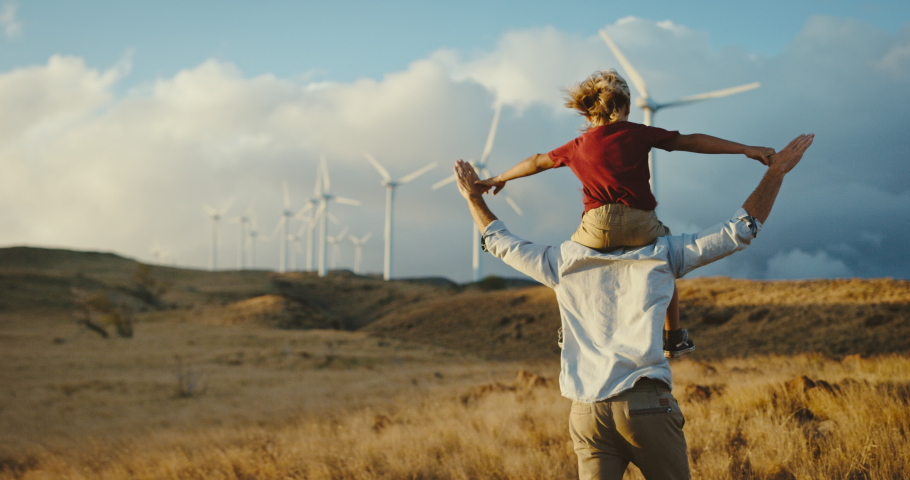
315	212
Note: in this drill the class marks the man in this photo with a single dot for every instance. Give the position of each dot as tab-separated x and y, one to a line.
612	306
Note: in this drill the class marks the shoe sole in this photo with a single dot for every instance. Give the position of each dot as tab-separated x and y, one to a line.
679	353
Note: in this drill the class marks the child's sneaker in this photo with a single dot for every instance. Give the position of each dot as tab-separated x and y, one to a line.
677	343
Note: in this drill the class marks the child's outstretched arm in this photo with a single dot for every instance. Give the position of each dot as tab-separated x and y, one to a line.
699	143
534	164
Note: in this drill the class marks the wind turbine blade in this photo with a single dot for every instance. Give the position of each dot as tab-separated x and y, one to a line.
227	205
325	176
340	236
365	238
715	94
320	210
334	219
514	205
306	208
278	227
346	201
630	70
210	210
379	168
443	182
412	176
492	135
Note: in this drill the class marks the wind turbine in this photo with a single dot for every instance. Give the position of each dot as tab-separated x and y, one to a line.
389	201
650	106
336	246
481	168
244	221
156	252
323	212
216	224
162	257
358	250
294	240
253	238
284	223
310	221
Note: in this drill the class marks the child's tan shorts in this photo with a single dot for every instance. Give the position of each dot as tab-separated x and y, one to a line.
617	225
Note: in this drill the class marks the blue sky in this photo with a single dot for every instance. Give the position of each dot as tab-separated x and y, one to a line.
119	120
343	41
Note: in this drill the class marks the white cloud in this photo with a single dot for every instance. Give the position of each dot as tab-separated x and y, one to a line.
12	27
797	264
86	168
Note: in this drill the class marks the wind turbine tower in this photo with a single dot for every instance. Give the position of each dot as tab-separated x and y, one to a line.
483	172
336	247
284	225
310	221
358	250
254	237
216	227
326	197
390	186
650	106
244	221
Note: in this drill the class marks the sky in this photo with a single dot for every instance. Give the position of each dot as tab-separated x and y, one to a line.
120	121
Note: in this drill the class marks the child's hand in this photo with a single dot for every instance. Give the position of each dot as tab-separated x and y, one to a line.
489	183
762	154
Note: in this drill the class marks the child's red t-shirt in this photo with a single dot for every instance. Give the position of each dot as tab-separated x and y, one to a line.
612	163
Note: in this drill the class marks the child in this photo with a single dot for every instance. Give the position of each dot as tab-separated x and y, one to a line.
611	160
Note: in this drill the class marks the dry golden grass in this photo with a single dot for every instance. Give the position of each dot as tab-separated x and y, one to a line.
800	417
208	388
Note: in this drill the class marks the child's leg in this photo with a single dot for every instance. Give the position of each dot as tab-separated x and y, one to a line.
676	340
672	321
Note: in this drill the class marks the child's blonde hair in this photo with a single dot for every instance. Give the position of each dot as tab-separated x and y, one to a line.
601	98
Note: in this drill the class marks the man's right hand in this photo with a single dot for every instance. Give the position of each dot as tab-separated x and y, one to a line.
467	180
784	161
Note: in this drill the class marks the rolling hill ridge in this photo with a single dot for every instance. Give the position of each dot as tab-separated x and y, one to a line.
496	318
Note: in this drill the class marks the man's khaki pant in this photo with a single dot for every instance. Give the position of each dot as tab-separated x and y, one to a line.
642	425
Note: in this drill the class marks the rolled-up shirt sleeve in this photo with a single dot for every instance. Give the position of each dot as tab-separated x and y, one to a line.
537	261
690	251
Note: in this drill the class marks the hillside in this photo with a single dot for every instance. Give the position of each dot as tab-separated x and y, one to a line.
494	319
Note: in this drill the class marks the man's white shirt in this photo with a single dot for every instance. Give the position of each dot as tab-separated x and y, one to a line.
613	304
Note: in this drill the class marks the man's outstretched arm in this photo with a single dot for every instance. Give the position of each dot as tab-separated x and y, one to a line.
762	199
534	260
473	193
719	241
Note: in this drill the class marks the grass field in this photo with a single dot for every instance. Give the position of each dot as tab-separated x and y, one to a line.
255	375
343	405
